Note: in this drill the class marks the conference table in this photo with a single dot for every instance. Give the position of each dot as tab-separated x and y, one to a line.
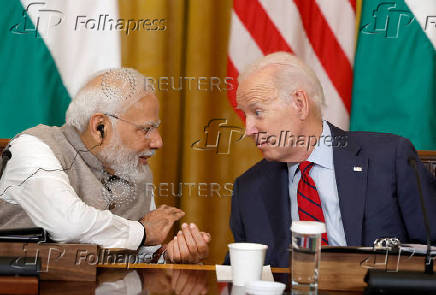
158	279
87	269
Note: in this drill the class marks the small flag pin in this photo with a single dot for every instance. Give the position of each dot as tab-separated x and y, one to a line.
358	169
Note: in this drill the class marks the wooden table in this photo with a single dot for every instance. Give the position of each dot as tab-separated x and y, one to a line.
340	273
157	279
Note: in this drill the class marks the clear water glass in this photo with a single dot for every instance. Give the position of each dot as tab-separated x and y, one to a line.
306	254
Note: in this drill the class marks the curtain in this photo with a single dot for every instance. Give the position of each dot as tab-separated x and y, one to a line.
203	151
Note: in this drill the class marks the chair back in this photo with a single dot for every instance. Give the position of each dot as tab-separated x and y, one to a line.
428	158
3	144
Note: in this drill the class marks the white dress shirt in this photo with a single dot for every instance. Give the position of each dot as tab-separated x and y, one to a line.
51	202
323	174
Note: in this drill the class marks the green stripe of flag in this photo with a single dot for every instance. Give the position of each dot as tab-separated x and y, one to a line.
31	88
394	75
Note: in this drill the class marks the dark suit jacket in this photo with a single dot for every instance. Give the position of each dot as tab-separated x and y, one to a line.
380	201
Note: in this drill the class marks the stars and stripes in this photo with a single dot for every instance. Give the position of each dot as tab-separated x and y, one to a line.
321	34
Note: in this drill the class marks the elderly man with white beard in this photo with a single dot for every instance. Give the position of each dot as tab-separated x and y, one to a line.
86	182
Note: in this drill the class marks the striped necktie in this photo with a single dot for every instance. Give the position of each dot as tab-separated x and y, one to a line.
309	204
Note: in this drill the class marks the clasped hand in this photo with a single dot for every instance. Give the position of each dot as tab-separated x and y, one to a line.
189	245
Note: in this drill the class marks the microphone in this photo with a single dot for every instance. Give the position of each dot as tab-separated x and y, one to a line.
6	156
428	260
407	282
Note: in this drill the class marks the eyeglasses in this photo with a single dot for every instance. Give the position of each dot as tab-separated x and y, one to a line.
146	128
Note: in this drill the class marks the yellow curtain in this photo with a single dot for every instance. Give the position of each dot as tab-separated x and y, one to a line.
189	57
358	16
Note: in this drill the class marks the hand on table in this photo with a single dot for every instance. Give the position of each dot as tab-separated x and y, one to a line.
189	245
157	223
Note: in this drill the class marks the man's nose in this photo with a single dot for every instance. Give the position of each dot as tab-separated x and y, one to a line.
250	127
155	140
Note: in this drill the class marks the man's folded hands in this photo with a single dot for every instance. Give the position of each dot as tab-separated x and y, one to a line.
189	245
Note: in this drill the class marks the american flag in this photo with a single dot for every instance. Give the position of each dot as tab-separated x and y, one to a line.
320	32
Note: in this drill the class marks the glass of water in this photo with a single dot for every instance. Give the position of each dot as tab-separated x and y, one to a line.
306	254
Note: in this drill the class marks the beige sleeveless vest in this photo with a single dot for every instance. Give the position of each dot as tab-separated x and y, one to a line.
92	184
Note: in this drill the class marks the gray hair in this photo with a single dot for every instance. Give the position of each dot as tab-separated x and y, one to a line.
117	90
292	75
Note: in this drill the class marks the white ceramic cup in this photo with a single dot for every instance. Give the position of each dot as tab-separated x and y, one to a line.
247	261
264	288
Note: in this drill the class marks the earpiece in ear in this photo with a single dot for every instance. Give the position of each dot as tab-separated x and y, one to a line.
100	128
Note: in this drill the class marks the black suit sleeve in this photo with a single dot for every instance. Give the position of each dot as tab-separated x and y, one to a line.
408	194
236	224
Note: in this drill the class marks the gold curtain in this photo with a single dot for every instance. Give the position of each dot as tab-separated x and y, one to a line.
196	178
358	16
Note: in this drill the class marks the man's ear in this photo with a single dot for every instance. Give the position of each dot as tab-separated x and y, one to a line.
301	104
99	127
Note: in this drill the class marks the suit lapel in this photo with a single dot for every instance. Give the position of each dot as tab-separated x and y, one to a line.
351	171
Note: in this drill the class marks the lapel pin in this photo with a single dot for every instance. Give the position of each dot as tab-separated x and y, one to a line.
357	169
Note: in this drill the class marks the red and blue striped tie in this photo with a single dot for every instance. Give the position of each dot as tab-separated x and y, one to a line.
309	204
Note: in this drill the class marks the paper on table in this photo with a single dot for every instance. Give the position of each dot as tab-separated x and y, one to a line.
224	273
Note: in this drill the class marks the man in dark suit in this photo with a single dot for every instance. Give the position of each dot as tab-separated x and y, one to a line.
359	183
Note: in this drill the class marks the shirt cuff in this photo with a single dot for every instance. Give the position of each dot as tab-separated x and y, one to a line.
136	234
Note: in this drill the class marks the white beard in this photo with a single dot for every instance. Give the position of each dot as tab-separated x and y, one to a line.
125	162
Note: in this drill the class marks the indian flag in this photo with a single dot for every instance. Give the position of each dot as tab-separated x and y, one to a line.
395	70
48	50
